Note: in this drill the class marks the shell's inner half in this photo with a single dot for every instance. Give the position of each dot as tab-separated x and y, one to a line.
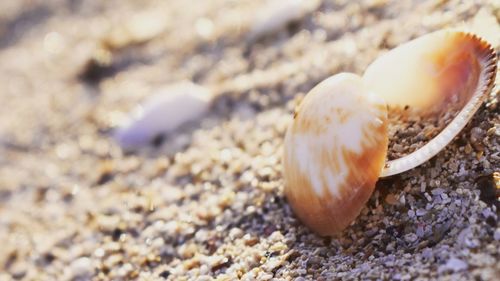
334	152
433	85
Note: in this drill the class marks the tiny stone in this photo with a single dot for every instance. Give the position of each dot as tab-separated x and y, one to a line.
468	149
491	131
420	231
411	237
99	252
428	197
487	213
235	233
82	267
472	243
486	184
411	213
455	264
497	234
273	263
437	191
402	199
427	253
476	133
398	147
391	199
491	220
265	276
421	212
165	274
423	185
250	240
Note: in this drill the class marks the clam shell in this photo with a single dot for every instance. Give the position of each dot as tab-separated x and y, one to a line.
334	152
441	71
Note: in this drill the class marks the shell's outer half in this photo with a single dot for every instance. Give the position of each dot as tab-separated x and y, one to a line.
431	72
334	152
443	71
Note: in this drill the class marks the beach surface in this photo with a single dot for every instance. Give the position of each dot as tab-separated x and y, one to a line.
206	201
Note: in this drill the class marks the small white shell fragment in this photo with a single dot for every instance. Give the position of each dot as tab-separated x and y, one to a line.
81	267
497	234
164	112
278	13
334	152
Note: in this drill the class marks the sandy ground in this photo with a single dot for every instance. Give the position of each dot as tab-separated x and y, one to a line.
206	202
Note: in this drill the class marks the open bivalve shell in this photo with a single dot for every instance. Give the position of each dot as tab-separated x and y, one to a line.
441	72
335	149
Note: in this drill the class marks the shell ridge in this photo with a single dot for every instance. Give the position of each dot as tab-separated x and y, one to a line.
346	156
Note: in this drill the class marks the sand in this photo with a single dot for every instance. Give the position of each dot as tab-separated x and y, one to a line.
207	202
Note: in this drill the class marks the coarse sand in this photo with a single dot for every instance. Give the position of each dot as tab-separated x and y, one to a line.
206	202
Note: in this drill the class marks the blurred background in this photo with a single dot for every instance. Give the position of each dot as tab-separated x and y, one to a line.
101	59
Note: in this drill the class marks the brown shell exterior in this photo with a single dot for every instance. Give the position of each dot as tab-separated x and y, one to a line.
327	213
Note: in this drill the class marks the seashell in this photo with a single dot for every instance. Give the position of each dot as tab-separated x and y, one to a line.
334	152
442	71
164	112
336	146
276	14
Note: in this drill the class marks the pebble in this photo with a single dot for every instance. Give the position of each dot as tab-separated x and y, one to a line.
420	231
391	199
235	233
411	213
421	212
456	264
497	234
411	237
82	267
427	253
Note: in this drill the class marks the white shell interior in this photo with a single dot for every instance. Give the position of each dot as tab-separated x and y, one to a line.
435	145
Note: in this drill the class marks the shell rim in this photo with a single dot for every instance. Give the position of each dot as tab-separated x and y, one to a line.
488	58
